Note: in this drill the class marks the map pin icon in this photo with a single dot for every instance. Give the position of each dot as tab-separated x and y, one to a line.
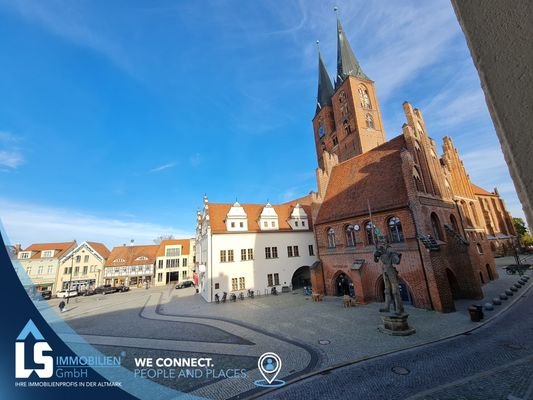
269	365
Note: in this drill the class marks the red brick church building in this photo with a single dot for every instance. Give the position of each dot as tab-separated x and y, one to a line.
424	205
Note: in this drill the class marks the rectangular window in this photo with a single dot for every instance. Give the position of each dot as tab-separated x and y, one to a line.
295	223
184	262
86	259
250	254
85	269
241	224
217	285
177	261
243	254
303	223
65	271
268	253
242	283
311	250
160	264
76	270
160	277
222	256
234	284
289	251
183	274
276	279
233	224
78	259
296	251
50	269
230	256
47	253
168	263
274	252
24	255
40	270
28	270
265	224
269	279
173	252
93	268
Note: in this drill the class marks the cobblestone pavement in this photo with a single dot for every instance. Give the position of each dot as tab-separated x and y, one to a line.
492	362
308	336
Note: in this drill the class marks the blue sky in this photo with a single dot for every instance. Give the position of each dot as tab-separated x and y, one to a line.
116	117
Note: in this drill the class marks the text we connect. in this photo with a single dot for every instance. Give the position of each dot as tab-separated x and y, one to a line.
174	362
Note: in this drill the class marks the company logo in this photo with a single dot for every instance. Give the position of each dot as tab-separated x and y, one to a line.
269	365
40	347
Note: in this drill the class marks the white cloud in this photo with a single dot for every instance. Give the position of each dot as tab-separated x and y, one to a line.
28	223
11	159
163	167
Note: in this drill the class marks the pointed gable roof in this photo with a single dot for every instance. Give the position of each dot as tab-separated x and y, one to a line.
325	87
361	180
480	191
347	64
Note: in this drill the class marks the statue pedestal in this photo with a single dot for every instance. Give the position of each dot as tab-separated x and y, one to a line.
396	325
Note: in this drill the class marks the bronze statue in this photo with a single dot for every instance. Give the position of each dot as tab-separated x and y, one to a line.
388	257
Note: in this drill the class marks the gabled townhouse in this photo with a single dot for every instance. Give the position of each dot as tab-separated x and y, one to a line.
131	265
241	247
174	261
41	262
82	267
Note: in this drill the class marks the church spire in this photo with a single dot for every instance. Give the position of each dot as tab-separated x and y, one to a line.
325	88
347	64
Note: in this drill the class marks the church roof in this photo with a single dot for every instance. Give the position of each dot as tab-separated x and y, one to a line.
479	190
347	64
325	88
373	177
219	211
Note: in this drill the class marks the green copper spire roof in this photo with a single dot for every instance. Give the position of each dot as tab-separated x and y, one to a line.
325	88
347	64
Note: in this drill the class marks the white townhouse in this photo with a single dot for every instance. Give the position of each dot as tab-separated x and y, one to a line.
41	262
254	246
82	267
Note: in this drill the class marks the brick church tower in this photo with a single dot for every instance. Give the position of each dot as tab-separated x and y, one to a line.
347	120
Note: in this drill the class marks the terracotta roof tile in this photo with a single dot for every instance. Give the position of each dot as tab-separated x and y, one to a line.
479	190
185	246
100	248
218	212
130	255
62	248
373	177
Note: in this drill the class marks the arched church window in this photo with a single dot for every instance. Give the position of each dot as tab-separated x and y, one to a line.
331	238
321	129
418	180
347	127
395	230
453	221
369	121
350	236
369	230
435	226
364	99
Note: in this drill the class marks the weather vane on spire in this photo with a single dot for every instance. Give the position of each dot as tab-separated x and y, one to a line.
336	9
318	45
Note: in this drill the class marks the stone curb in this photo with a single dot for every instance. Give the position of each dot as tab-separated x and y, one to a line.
502	310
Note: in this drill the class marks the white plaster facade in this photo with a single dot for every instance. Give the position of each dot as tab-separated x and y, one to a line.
234	260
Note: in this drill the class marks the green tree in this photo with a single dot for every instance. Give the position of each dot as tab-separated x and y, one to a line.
527	239
520	227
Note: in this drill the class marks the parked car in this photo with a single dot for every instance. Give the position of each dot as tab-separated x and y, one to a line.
87	292
122	288
46	294
105	289
67	293
184	284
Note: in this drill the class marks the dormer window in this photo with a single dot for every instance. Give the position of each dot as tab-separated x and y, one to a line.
24	255
47	253
268	218
236	219
141	258
119	260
